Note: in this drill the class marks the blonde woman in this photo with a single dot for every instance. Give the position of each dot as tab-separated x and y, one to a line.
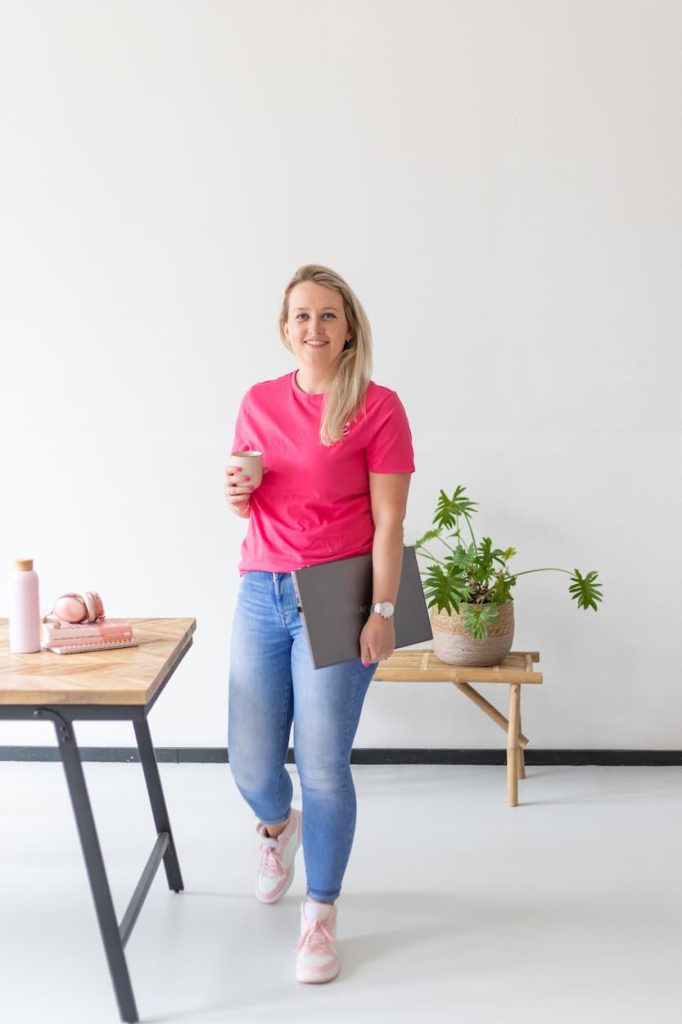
338	452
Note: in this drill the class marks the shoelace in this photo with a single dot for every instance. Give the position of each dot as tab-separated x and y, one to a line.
315	937
271	862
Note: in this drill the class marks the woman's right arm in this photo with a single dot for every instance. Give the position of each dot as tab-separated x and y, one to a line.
238	491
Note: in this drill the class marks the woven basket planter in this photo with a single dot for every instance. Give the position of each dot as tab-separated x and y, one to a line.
453	645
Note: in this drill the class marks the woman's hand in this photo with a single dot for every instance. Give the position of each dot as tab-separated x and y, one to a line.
238	489
377	640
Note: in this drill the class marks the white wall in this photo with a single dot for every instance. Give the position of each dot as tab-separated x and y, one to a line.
500	184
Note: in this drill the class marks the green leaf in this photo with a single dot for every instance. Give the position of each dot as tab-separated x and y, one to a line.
501	590
477	617
586	589
429	535
448	509
445	588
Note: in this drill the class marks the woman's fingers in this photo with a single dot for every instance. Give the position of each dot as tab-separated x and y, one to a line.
233	476
236	485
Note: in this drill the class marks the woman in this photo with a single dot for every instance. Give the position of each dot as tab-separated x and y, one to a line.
338	452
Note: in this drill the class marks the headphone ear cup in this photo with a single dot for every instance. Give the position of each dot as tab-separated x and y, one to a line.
93	603
70	608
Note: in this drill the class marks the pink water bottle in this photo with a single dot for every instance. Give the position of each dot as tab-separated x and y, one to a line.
24	608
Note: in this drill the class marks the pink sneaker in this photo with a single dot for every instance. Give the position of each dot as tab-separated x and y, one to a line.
276	870
318	951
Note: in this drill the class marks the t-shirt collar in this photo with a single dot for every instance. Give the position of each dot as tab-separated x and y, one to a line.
305	395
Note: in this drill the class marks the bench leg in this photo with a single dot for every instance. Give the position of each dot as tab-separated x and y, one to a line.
513	744
522	753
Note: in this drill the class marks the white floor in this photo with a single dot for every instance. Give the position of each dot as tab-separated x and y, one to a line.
567	908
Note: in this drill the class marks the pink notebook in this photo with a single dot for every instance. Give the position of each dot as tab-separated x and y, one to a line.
103	629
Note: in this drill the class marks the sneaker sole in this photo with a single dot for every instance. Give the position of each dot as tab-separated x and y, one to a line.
310	978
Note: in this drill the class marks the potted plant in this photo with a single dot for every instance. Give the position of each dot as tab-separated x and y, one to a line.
474	576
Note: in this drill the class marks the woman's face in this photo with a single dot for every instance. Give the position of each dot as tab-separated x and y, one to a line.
316	326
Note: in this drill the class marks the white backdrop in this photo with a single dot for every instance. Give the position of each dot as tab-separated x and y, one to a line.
498	181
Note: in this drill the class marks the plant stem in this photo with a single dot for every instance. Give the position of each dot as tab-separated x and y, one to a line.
546	569
423	553
471	531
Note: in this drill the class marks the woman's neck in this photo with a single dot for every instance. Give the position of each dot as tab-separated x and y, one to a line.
312	385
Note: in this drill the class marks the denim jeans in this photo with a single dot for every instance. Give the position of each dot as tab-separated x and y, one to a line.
273	683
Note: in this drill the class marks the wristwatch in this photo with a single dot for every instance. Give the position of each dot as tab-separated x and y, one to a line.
384	608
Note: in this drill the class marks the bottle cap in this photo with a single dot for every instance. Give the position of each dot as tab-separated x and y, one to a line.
23	564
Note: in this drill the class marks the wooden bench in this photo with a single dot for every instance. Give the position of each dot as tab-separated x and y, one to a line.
420	665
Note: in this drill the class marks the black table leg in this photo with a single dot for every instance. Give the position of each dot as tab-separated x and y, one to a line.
156	799
94	863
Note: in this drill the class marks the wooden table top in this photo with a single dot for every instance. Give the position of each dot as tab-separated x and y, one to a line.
420	665
129	675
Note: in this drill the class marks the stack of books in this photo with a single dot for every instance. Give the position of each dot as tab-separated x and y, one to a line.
103	635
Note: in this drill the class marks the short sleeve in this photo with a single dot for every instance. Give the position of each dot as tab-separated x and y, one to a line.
390	449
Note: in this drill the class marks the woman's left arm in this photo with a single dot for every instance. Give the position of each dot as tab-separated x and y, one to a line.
388	494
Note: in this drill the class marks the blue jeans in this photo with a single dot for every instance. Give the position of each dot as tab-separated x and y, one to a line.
272	683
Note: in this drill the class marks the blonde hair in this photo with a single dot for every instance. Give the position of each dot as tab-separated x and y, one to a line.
347	393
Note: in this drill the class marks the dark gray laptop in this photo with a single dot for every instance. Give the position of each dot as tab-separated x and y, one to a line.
335	600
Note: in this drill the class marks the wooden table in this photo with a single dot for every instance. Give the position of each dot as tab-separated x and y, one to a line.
108	686
420	665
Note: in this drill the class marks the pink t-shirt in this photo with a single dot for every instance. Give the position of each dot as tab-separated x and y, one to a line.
314	503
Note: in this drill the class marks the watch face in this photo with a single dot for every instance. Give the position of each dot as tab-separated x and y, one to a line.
386	609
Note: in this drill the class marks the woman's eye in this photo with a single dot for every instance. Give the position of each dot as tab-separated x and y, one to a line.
299	315
332	315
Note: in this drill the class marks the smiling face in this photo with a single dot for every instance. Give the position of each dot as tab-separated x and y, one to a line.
316	326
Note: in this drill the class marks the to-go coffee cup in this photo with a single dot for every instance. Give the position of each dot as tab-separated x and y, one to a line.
251	463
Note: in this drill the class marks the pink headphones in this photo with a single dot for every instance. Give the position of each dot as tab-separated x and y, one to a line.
72	608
